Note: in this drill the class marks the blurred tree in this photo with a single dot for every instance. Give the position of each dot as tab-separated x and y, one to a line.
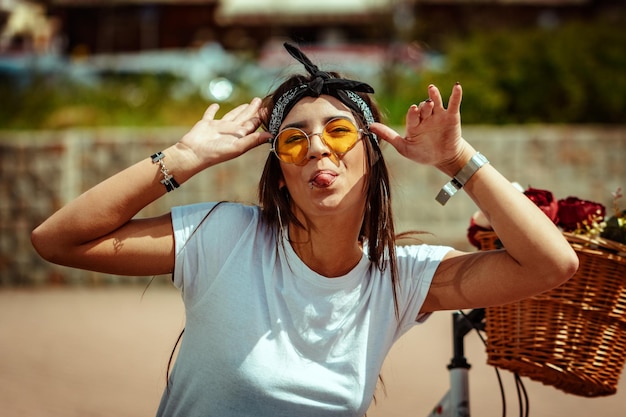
570	74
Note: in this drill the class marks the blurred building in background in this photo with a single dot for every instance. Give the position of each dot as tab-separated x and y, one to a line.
108	26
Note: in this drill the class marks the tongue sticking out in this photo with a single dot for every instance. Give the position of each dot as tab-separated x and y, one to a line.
323	180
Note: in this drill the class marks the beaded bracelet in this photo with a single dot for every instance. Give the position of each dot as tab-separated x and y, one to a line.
168	180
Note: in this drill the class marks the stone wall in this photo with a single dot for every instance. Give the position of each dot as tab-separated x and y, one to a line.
41	171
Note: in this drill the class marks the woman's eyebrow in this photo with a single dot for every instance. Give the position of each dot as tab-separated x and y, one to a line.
304	124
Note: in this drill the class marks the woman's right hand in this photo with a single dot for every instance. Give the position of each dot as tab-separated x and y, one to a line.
212	140
97	231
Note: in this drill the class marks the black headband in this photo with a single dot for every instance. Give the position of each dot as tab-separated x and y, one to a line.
321	83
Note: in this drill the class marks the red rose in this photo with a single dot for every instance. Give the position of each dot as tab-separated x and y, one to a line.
473	229
574	211
544	199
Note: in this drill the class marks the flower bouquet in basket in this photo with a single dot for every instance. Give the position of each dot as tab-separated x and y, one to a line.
572	337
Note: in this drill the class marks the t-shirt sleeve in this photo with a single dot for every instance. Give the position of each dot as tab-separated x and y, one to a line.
205	235
416	268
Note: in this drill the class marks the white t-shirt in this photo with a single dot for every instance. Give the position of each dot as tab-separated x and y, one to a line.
267	336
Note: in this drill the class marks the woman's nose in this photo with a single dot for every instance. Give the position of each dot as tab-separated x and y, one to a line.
317	146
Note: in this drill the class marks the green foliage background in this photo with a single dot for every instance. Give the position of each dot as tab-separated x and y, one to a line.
573	74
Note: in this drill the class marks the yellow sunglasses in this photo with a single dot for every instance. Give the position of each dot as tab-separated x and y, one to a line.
291	145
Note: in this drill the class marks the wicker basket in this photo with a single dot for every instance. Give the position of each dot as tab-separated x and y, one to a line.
572	337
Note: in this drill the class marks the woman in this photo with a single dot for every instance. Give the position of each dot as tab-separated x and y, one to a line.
292	306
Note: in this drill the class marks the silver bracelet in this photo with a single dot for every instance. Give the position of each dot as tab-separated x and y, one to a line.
168	180
461	178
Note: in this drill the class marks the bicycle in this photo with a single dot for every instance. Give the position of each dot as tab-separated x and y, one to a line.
456	402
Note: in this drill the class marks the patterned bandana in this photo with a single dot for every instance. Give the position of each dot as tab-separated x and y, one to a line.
322	83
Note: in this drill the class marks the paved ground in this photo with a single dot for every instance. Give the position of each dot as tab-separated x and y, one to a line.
69	352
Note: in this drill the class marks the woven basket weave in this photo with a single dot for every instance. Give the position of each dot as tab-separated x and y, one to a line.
572	337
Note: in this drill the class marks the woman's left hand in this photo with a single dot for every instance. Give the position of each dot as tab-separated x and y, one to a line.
433	133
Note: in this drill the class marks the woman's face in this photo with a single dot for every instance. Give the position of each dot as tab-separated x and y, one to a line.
324	184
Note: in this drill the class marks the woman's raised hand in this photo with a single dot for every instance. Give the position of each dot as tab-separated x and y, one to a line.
433	133
212	140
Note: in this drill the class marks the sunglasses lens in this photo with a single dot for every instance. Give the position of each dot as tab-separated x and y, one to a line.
292	144
340	135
